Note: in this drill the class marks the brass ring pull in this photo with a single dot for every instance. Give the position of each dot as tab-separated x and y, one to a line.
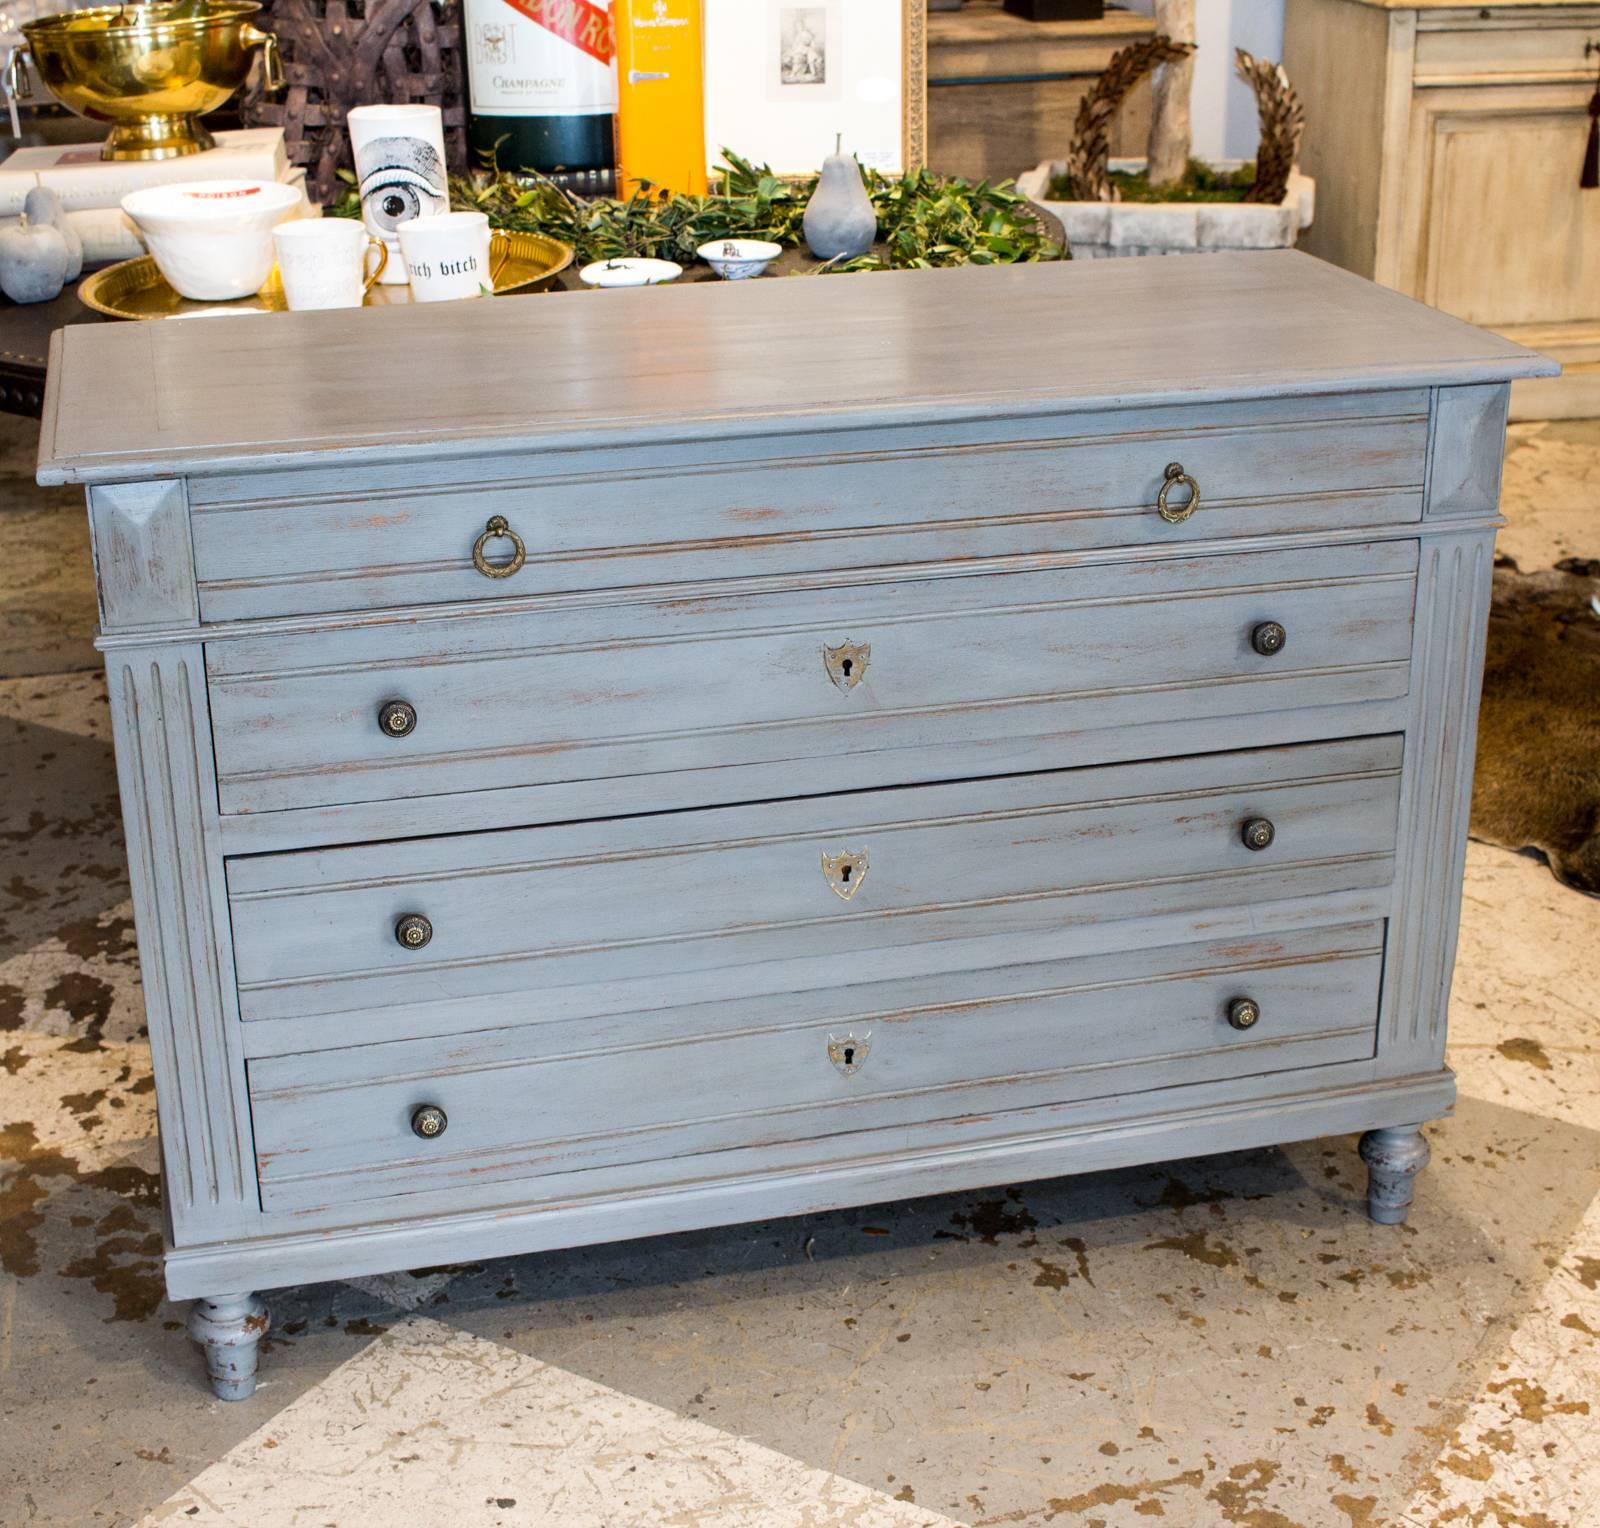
497	527
1175	476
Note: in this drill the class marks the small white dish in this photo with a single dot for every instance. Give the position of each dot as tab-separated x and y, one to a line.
630	272
212	239
739	259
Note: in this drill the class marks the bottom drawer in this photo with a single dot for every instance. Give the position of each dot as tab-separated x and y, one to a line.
338	1126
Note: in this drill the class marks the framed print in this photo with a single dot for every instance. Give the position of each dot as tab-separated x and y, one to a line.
785	79
798	66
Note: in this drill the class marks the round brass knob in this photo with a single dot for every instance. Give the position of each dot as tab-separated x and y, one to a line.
397	718
413	931
1268	638
1258	833
497	528
1176	477
1243	1012
429	1121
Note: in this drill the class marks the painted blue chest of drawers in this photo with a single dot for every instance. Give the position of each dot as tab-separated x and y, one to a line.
601	765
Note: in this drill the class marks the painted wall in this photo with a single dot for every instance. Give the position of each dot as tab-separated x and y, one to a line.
1223	109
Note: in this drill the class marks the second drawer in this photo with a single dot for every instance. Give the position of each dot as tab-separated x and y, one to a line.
802	681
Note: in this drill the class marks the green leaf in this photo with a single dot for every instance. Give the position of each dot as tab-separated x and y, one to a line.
924	219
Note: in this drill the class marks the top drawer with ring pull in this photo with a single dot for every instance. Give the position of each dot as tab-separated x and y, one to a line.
303	543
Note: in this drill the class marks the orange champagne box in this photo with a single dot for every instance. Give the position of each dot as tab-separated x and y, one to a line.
661	135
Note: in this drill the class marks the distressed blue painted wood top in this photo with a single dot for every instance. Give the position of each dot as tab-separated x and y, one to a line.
670	364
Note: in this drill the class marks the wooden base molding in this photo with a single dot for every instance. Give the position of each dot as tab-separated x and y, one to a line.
1198	1130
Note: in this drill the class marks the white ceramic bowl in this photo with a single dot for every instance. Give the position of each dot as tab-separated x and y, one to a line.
212	239
631	272
739	259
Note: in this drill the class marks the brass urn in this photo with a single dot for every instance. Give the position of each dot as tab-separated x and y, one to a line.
151	70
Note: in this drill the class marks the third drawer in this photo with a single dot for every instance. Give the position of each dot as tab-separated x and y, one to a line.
536	925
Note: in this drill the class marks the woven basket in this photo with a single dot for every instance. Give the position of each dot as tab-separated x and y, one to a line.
343	53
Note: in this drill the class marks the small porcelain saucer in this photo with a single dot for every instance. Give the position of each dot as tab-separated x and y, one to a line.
631	272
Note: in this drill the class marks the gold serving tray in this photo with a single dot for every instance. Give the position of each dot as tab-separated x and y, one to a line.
137	289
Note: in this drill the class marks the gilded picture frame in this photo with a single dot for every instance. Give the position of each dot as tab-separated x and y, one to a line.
914	83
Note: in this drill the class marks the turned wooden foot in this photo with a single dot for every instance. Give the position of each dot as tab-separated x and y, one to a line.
1394	1156
230	1328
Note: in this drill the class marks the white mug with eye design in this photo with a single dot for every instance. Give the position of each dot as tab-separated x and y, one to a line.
400	171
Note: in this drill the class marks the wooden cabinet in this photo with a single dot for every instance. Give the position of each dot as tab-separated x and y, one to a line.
1447	142
906	732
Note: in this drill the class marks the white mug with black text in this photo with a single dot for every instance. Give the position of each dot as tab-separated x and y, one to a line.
447	257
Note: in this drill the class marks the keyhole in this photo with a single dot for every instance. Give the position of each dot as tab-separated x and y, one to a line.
849	1055
844	873
846	666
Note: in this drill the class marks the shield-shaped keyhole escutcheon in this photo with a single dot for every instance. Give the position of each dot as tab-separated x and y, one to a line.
848	1051
845	871
847	663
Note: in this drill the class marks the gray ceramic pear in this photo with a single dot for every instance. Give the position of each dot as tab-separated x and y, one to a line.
42	205
839	221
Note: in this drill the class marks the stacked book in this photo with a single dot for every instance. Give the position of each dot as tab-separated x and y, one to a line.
91	188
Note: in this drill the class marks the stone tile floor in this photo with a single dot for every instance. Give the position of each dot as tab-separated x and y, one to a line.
1218	1341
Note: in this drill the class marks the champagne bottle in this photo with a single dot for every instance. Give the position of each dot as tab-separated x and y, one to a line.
542	89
